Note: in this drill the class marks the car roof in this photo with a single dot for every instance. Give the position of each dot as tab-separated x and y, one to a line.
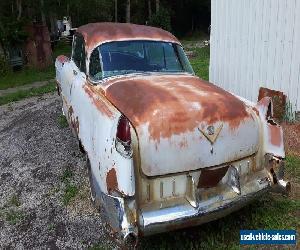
95	34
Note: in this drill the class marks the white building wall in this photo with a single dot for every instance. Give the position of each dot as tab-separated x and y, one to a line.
256	43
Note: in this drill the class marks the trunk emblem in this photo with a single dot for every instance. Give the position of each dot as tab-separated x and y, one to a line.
210	130
211	133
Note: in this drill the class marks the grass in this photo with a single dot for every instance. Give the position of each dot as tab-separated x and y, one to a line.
293	166
13	217
21	94
70	190
62	121
29	75
200	62
14	201
26	76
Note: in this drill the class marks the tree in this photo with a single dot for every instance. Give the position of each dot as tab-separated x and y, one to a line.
149	9
157	6
128	11
19	8
116	11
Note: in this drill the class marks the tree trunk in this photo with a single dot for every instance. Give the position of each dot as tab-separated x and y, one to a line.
43	13
149	9
19	9
53	27
128	11
116	11
157	6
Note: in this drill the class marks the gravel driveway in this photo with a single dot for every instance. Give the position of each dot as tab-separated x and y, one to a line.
38	160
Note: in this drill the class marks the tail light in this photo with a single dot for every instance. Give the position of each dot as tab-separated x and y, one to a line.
123	138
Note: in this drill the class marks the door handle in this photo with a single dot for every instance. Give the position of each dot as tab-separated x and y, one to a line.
75	72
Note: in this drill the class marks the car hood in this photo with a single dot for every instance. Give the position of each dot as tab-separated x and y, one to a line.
184	123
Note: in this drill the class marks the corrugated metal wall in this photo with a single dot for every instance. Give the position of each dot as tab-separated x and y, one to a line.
256	43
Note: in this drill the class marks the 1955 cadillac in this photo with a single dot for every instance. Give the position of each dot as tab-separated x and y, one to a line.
165	149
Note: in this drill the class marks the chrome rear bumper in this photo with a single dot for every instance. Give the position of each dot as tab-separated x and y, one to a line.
172	218
130	221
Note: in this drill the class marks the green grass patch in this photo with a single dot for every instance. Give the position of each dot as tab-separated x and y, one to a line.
66	175
62	48
29	74
62	121
21	94
292	166
200	62
13	217
14	201
70	190
26	76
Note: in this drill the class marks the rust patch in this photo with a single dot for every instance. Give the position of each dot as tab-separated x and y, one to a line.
183	143
278	99
174	104
62	59
111	181
275	135
93	94
98	33
74	122
211	177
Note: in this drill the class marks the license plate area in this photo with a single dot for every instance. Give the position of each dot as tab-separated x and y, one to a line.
211	177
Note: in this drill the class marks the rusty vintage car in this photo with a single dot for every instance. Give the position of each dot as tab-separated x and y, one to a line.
165	149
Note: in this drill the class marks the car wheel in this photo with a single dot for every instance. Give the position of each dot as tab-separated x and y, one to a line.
92	186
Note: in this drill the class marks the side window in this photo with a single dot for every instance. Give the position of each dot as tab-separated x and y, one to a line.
78	55
95	65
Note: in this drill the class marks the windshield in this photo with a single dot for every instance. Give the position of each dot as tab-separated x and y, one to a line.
125	57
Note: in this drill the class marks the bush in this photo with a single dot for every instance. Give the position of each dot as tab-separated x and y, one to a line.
4	66
161	19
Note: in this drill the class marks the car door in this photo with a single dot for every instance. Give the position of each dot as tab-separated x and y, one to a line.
73	71
81	113
76	81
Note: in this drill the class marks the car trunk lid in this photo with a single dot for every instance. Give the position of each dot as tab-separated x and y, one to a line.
184	123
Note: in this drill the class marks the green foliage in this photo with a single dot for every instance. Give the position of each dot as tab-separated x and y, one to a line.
62	121
62	49
13	217
21	94
14	201
70	190
4	66
26	76
67	174
12	33
292	166
200	62
161	19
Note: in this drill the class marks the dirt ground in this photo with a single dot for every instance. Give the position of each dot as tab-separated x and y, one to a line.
35	154
292	138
